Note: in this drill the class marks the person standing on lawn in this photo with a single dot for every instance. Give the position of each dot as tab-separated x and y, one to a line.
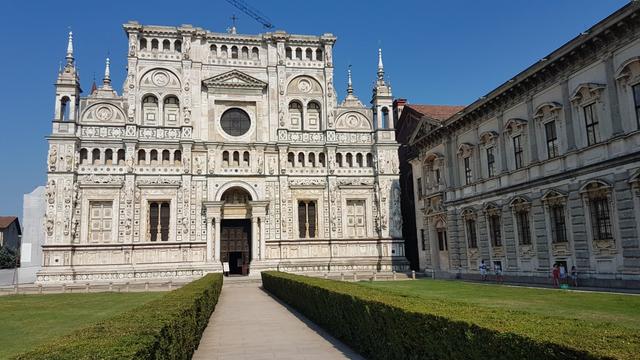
574	276
555	274
498	269
563	274
483	270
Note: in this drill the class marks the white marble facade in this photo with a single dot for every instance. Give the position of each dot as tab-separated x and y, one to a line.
213	127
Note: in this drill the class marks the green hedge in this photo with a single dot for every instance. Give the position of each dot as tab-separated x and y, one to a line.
389	326
167	328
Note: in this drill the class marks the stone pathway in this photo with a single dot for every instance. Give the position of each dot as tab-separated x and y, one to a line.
250	324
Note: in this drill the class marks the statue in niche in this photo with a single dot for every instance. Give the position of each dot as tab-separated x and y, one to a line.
50	193
53	158
49	224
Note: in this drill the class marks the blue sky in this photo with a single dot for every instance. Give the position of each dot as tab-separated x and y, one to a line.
438	52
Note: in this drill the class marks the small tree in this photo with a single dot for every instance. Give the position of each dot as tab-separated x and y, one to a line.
7	258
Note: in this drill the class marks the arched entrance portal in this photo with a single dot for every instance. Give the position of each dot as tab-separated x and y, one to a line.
235	231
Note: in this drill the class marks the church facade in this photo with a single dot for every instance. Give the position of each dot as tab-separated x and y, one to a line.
221	149
543	170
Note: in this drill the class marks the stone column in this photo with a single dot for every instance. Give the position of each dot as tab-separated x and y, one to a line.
211	232
255	238
531	129
263	245
218	222
614	103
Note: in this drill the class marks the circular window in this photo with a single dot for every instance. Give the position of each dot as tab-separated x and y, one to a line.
235	122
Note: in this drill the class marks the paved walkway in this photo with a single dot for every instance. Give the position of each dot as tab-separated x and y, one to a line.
250	324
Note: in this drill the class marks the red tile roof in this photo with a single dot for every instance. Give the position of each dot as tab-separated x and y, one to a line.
5	221
438	112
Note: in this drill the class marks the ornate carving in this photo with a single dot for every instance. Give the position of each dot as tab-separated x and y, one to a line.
160	180
53	158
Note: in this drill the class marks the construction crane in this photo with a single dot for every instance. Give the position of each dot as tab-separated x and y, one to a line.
245	8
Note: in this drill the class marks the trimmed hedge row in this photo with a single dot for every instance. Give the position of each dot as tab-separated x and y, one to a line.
380	325
167	328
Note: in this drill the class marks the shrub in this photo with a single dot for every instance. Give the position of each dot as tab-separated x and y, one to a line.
167	328
7	258
391	326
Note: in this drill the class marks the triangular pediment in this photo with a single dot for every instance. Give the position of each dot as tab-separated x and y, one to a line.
234	79
425	127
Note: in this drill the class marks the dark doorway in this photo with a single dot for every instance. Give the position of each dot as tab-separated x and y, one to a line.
235	245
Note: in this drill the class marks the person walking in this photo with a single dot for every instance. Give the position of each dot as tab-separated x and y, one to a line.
483	270
574	276
498	269
555	274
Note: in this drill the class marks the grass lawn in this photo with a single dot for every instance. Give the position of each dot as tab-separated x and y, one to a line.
622	310
30	320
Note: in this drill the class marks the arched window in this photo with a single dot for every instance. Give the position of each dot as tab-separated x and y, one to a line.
255	54
298	54
289	53
224	53
245	52
313	116
154	44
295	115
95	156
312	159
108	157
177	157
154	157
214	50
234	52
225	159
319	54
291	159
385	118
236	158
359	160
309	54
150	110
349	160
142	156
64	108
339	159
165	157
301	159
143	44
321	160
121	157
177	46
84	155
166	45
369	160
171	110
245	159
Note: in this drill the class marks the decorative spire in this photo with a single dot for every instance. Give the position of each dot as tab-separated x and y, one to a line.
69	56
380	66
106	81
349	84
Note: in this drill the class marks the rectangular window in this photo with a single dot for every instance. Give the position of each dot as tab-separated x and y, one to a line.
636	102
419	185
558	226
423	240
437	171
591	123
517	151
472	239
491	162
468	176
356	219
552	139
101	219
442	240
159	217
494	227
307	224
524	231
601	219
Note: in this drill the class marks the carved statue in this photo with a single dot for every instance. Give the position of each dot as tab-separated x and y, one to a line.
50	193
53	158
186	48
49	224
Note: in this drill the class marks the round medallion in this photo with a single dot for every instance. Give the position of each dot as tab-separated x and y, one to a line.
104	113
304	85
352	121
160	79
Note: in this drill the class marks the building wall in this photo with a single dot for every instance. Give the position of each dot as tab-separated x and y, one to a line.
573	176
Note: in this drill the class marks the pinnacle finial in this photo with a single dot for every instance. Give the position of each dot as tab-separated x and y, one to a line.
349	83
380	65
69	56
107	73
